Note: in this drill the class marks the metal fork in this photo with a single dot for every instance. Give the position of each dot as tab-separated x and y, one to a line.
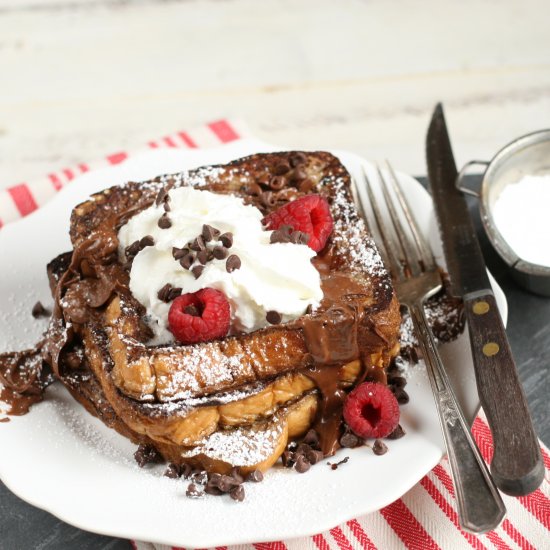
416	278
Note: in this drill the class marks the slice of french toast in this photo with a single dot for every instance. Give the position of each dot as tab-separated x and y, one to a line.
177	397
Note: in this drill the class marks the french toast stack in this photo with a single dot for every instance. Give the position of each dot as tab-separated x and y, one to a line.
235	401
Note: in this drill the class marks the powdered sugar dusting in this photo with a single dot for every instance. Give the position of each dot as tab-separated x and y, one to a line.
350	234
241	446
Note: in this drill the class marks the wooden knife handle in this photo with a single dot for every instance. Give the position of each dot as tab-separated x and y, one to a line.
517	465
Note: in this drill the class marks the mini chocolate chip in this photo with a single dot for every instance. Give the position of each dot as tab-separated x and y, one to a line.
146	241
161	196
302	464
197	271
349	440
237	493
306	185
164	221
232	263
314	456
174	293
273	317
191	310
398	433
302	449
236	474
277	182
256	476
198	244
164	293
199	476
288	458
38	310
173	471
209	233
186	470
297	158
402	396
187	261
179	253
166	206
312	438
309	309
299	174
202	256
146	454
193	491
131	250
226	483
226	239
379	448
281	168
220	252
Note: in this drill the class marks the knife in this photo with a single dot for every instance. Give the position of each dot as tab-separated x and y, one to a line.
517	465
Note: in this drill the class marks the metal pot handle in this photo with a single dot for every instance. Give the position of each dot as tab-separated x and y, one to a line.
460	186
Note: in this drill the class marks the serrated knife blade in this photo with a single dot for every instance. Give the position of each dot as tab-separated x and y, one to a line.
517	465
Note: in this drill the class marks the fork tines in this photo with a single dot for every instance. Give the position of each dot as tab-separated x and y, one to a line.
403	246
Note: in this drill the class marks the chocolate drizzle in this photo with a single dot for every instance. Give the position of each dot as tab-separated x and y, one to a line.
23	377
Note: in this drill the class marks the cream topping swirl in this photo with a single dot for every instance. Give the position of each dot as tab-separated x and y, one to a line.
272	277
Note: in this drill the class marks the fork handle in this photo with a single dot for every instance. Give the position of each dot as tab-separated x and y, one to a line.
480	507
517	465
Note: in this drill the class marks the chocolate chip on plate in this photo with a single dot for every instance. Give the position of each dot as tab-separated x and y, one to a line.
237	493
302	464
173	471
379	448
197	271
398	433
38	310
148	240
349	440
256	476
193	491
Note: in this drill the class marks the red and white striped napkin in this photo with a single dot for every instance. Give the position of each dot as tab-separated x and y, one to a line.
426	516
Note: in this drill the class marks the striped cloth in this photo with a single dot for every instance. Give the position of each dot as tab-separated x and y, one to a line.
426	516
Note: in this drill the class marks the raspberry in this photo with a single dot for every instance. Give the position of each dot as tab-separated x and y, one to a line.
309	214
199	316
371	410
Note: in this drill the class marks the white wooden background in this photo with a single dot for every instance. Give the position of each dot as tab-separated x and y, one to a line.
82	78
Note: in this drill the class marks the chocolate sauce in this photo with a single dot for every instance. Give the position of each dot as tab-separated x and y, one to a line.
23	379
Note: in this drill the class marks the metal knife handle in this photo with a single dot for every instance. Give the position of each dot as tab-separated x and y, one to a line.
480	507
517	465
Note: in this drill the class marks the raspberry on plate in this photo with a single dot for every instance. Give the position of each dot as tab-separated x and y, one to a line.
309	214
371	410
199	316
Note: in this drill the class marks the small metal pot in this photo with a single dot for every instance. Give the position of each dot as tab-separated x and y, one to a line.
527	155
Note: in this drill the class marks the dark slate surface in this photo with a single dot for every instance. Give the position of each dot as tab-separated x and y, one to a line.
24	527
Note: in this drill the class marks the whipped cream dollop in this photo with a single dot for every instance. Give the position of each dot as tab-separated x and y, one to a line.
272	277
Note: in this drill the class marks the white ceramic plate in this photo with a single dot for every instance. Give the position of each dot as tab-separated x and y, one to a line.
63	460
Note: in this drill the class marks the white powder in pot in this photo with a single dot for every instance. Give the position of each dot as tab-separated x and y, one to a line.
522	215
